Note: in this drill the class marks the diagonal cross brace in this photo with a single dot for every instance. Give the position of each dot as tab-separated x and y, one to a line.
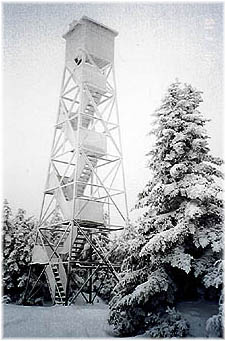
105	260
91	166
100	116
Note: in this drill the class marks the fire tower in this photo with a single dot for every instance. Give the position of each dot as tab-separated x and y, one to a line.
84	195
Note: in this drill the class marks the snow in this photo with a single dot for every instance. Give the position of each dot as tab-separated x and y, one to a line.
179	259
161	240
83	320
197	313
193	210
79	321
178	170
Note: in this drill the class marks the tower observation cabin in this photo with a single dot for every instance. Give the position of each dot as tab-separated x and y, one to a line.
84	197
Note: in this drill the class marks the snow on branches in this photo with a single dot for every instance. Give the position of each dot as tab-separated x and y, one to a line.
181	229
18	240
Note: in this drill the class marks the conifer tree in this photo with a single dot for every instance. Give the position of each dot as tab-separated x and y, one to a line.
18	240
178	246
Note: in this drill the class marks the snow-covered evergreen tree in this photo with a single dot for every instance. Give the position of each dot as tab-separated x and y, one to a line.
214	325
18	240
178	246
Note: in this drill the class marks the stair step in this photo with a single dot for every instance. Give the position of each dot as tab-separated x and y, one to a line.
61	290
62	294
78	245
86	172
59	284
85	175
89	111
83	178
59	297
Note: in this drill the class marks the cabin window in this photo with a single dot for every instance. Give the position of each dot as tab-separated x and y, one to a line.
78	61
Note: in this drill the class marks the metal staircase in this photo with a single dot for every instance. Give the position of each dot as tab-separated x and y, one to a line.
55	271
64	195
88	110
60	294
78	248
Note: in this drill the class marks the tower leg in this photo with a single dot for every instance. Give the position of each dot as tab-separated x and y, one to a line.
90	285
90	274
68	289
69	268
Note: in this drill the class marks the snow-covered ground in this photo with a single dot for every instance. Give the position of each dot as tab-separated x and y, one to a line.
197	313
86	321
78	321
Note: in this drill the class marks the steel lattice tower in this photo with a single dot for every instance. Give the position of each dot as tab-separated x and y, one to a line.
85	193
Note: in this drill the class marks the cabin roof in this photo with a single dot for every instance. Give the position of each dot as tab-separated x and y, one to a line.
87	19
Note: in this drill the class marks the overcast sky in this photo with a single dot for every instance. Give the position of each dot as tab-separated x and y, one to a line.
157	43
